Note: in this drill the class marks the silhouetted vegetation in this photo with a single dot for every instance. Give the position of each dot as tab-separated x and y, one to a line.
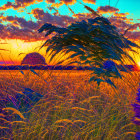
91	42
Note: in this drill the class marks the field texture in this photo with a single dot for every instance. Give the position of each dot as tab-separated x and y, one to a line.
63	105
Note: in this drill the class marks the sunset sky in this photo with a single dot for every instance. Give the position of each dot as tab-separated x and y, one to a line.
20	20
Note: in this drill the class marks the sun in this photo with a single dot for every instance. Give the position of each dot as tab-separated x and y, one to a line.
138	64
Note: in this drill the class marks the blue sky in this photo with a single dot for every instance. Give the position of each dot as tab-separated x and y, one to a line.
130	6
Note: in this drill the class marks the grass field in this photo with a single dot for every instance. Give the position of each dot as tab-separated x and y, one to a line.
71	107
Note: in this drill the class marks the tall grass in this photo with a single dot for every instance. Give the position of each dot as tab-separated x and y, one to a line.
93	42
136	118
72	108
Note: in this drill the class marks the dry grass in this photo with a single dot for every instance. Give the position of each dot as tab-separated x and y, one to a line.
72	108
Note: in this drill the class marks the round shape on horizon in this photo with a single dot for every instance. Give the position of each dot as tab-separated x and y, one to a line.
33	59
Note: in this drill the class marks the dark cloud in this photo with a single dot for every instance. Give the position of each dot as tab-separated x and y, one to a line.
43	17
83	16
3	34
22	3
21	22
50	1
71	2
123	23
126	27
13	32
135	26
1	27
133	35
107	9
18	4
19	28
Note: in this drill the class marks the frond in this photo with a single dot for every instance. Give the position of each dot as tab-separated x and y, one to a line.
92	42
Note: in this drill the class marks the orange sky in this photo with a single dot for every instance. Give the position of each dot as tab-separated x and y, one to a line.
19	22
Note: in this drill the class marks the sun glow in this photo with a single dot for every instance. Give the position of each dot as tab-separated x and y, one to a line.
138	64
16	47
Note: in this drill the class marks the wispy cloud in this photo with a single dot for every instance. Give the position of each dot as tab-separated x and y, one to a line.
21	22
120	14
107	9
90	1
71	2
18	4
19	28
135	36
42	17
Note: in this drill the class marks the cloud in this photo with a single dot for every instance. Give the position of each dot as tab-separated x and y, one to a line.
83	16
107	9
23	3
61	20
21	22
123	17
71	2
57	5
121	14
133	35
19	28
89	1
1	27
135	26
50	1
122	25
13	32
2	30
18	4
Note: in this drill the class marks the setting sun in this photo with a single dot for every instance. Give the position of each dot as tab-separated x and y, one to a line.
138	64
